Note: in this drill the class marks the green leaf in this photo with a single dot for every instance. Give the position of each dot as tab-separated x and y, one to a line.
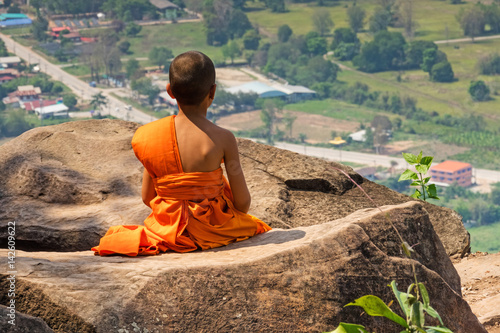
401	297
416	195
407	249
374	306
426	180
416	183
349	328
424	294
419	157
432	190
438	329
408	174
410	158
433	313
422	168
427	160
417	314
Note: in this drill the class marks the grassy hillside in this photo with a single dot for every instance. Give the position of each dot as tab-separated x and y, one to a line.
485	238
435	19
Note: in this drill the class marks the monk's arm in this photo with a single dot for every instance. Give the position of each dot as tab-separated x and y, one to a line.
235	175
148	188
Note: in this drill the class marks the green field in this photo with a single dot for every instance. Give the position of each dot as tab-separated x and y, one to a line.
485	238
178	37
435	19
337	109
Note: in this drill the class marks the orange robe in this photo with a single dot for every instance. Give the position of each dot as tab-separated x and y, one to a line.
191	211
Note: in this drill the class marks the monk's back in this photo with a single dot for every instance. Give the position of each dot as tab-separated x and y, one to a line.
200	144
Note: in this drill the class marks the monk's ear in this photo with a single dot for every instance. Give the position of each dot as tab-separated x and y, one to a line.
211	94
169	91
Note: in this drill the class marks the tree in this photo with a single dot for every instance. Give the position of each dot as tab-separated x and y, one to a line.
15	124
316	45
70	101
356	16
118	26
14	9
251	40
39	27
132	29
322	21
405	17
289	119
472	21
133	69
238	24
144	86
415	52
489	64
431	57
268	115
231	50
343	35
385	52
98	101
284	33
380	20
276	6
124	46
479	91
345	44
442	72
160	56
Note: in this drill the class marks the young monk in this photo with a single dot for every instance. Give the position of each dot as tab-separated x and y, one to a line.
193	206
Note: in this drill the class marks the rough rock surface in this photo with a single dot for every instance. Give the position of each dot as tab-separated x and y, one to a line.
65	185
22	323
480	275
294	280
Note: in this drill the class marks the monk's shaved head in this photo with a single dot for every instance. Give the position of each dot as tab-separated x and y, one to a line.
191	76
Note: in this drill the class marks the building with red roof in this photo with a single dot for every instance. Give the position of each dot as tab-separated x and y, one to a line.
449	172
32	105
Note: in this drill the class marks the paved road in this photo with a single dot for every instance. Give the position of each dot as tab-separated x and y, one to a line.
490	176
115	107
468	39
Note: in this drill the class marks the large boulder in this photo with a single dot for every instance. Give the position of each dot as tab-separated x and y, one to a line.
65	185
286	280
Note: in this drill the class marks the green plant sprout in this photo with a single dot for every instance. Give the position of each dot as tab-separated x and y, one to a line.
413	307
422	165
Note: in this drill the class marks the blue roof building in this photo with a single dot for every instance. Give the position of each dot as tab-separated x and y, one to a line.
288	92
12	16
259	88
15	22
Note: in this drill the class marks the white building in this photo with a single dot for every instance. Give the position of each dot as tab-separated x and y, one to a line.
56	110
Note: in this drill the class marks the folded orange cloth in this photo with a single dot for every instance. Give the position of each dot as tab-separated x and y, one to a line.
191	211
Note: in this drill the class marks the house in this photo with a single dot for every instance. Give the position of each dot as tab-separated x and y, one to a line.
256	87
9	71
12	101
359	136
7	62
26	93
295	93
165	98
56	31
167	8
286	92
14	20
449	172
73	36
56	110
6	77
32	105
